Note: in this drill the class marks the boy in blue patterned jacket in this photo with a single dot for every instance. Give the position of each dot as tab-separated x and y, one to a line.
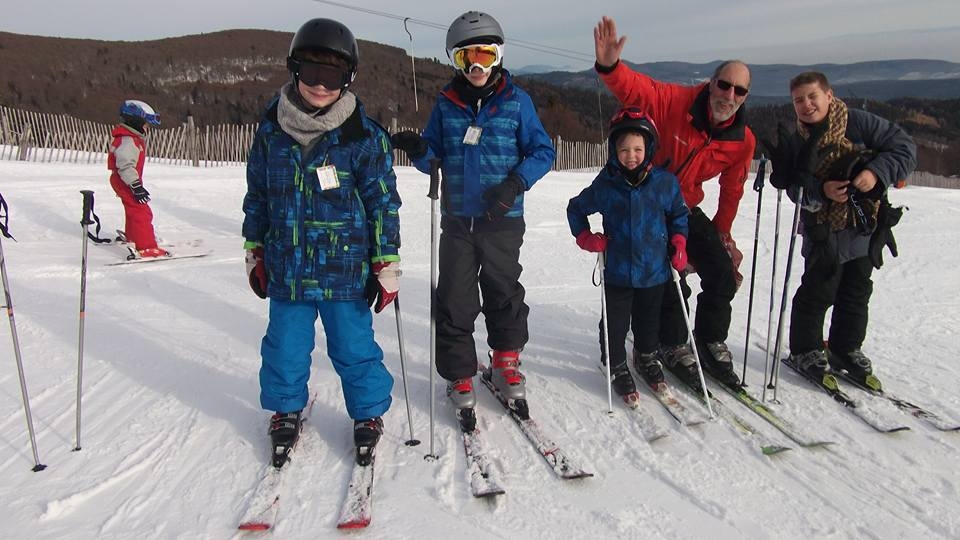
322	236
493	147
645	229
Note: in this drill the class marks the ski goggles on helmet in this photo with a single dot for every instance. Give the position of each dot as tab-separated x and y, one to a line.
483	56
314	74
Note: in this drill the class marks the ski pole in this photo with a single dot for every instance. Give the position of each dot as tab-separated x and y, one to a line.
434	196
693	345
85	221
768	368
601	265
758	187
8	303
786	290
403	371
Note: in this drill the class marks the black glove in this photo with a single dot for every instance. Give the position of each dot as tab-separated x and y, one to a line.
791	159
411	143
140	193
887	217
500	198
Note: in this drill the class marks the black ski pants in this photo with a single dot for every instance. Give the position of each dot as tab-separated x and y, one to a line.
847	287
478	258
717	283
631	309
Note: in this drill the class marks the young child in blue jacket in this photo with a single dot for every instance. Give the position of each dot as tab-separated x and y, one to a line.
644	231
321	219
493	147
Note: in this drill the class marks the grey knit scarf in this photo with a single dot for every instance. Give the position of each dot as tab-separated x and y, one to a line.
305	126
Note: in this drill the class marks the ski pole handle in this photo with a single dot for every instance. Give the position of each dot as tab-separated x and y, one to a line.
761	174
434	179
87	207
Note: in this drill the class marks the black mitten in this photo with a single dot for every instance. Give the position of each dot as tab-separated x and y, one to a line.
411	143
140	193
887	218
500	198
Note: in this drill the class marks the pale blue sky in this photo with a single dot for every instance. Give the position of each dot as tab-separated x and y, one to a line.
758	31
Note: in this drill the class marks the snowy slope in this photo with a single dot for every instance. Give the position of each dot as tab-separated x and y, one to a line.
173	438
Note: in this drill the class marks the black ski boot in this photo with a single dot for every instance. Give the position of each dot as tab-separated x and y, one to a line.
857	366
680	361
649	369
716	358
284	433
366	434
812	363
624	386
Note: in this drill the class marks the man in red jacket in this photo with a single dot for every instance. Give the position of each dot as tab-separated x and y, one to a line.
703	135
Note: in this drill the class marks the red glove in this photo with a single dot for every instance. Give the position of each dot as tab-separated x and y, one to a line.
592	242
383	285
679	258
257	271
736	256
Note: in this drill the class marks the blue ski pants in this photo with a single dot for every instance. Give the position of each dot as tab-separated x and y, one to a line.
358	360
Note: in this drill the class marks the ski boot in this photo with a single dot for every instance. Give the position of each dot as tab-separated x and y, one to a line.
649	368
813	364
624	386
464	399
284	433
510	384
716	358
680	361
366	434
857	366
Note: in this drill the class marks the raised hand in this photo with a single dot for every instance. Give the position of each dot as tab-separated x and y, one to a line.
608	46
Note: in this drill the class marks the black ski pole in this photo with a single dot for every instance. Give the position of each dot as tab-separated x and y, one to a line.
434	195
758	187
85	222
8	304
403	371
775	379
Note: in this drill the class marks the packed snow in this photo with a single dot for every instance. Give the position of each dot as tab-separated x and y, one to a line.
173	438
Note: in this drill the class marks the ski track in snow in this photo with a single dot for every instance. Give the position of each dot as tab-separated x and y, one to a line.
174	438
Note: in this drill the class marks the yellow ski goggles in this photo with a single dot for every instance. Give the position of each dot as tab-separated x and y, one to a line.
482	56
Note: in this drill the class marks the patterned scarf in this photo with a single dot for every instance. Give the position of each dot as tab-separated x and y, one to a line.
834	150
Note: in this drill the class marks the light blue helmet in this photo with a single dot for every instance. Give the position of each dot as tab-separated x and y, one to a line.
139	112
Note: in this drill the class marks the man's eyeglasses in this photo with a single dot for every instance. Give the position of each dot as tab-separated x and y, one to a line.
738	90
313	74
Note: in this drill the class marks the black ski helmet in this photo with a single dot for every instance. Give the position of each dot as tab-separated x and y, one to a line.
325	35
473	27
635	120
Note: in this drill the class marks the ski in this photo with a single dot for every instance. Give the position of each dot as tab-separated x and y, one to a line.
678	410
917	411
357	509
651	430
783	425
559	462
831	386
480	468
768	446
170	257
264	504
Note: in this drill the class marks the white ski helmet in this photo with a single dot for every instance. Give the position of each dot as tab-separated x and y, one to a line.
473	27
138	112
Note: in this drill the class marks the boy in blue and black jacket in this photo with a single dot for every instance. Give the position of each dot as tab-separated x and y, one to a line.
322	236
645	231
493	147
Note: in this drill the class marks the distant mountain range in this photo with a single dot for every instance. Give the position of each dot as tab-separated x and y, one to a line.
880	79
